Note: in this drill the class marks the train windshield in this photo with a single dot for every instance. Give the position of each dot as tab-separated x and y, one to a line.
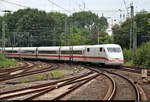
114	49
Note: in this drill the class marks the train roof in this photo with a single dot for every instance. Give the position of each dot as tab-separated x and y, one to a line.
48	48
12	48
108	45
74	47
28	48
63	47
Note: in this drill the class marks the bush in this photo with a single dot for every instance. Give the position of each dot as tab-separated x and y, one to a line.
4	62
143	55
56	74
129	63
127	55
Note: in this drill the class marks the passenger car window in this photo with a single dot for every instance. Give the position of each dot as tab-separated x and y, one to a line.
88	49
100	50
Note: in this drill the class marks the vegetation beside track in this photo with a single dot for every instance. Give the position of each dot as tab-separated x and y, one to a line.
56	74
143	56
4	62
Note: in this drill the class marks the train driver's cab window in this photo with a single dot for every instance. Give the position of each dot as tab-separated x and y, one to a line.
88	49
114	49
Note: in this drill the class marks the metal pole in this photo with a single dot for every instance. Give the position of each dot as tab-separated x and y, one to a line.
134	43
65	43
132	21
133	35
3	37
98	35
130	46
54	37
3	34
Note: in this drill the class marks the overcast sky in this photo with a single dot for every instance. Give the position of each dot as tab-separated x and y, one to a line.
109	8
99	6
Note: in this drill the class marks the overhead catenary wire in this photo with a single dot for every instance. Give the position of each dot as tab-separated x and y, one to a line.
126	7
58	6
69	11
12	3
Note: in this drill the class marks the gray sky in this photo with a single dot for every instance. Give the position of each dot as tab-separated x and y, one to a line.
109	8
100	6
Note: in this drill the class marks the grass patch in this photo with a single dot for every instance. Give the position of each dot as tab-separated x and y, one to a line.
57	74
25	80
129	63
4	62
38	76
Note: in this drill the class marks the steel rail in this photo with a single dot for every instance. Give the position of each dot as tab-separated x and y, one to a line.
76	87
43	87
26	73
138	97
110	96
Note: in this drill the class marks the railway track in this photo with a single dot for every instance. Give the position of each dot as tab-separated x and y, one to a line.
7	71
16	72
43	88
25	71
136	91
37	92
132	69
136	80
124	85
130	85
109	94
24	64
112	88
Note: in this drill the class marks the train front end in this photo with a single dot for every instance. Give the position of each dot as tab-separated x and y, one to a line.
114	55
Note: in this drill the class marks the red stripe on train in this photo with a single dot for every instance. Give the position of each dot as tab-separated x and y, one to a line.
89	57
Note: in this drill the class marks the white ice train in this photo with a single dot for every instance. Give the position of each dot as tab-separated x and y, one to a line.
107	54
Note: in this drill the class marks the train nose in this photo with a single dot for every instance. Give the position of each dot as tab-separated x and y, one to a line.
116	59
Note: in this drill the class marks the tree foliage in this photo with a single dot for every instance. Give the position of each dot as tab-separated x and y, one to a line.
32	27
121	32
143	54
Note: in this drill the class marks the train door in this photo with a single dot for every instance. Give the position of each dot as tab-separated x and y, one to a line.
95	51
84	54
59	52
71	54
89	54
36	52
19	53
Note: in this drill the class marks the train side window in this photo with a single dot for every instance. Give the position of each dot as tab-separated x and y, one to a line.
77	52
88	49
26	51
47	52
100	50
66	52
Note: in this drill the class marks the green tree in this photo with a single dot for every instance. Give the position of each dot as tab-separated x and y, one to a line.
121	32
32	21
143	26
59	25
1	20
143	55
87	19
47	29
